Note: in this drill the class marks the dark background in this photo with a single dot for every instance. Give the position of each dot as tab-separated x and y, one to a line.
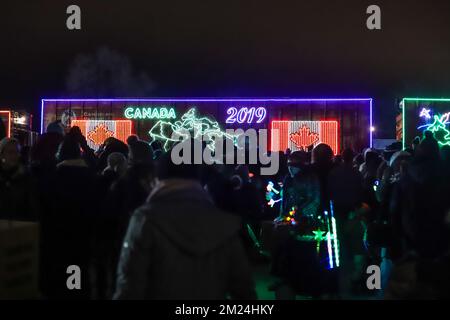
246	48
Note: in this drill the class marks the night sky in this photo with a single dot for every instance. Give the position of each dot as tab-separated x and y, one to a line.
257	48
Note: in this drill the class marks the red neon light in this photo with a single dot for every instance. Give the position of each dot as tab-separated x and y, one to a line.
304	138
300	135
97	131
100	134
8	113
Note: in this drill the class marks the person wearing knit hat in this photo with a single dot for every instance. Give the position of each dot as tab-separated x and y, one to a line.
132	139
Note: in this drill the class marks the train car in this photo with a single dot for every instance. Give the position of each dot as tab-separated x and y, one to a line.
301	123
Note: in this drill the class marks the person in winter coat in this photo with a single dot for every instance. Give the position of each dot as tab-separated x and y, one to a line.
127	194
301	187
106	227
18	199
419	203
66	227
179	245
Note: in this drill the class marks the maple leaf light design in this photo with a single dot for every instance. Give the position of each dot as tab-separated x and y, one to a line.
100	134
304	138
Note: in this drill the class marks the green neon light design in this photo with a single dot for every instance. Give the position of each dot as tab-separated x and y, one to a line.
189	123
439	124
428	99
403	105
403	123
319	235
149	113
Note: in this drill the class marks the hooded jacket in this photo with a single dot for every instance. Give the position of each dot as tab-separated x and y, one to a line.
180	246
419	205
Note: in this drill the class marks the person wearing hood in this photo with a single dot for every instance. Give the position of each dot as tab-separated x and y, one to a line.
17	188
179	245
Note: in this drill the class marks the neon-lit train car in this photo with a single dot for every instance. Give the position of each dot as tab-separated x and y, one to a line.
302	123
421	114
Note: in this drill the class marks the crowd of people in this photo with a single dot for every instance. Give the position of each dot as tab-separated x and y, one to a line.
139	226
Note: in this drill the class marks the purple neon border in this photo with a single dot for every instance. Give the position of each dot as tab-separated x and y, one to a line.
214	100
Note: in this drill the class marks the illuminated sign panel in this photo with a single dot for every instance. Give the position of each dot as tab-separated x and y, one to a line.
97	131
304	135
421	114
153	117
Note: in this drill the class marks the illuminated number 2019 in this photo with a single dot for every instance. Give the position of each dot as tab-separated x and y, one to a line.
246	115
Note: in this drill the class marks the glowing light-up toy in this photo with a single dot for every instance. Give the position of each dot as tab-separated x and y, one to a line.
329	247
291	217
335	235
332	238
271	193
319	237
190	126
